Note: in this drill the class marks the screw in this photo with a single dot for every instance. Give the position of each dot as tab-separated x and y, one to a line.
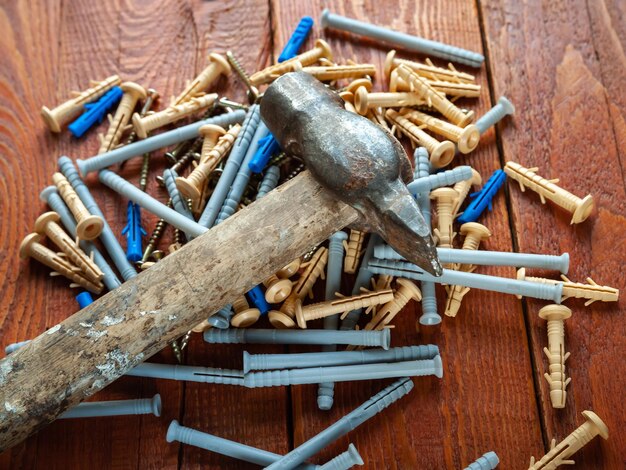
253	92
89	226
156	235
556	315
180	149
57	117
466	138
47	224
143	406
441	153
51	196
495	114
343	305
108	238
145	169
217	66
165	139
31	247
579	208
560	454
379	339
229	104
132	94
349	422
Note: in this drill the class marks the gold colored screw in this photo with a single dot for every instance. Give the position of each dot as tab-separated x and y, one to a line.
354	251
592	292
244	315
215	146
132	94
314	269
253	93
31	247
406	291
420	85
146	124
427	70
58	117
556	315
474	233
217	66
47	224
463	188
88	226
321	49
338	72
466	138
445	197
441	153
343	305
560	454
547	189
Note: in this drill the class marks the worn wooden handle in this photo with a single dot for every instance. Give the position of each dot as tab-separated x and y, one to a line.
92	348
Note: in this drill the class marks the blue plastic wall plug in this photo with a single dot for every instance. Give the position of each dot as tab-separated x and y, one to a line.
133	231
482	199
84	299
296	40
95	112
268	147
257	297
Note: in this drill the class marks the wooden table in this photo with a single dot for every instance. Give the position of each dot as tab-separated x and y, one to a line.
560	63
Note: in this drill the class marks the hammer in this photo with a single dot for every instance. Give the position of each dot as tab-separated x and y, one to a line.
357	177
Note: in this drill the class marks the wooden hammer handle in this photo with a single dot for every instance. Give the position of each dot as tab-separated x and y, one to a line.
95	346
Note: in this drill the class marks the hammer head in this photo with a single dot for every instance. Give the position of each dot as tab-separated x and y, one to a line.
358	161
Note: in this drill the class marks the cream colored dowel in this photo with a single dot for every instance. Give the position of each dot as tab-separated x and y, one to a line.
58	117
463	188
244	315
218	65
132	94
428	71
88	226
466	138
526	177
338	72
405	291
444	198
354	251
556	315
363	100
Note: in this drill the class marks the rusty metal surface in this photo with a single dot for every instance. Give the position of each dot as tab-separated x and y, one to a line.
358	161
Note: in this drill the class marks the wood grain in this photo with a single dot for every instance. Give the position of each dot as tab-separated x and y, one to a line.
486	395
562	65
565	125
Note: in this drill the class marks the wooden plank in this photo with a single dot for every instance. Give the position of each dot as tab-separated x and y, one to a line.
565	125
486	398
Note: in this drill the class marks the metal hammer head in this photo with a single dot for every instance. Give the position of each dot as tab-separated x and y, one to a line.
357	160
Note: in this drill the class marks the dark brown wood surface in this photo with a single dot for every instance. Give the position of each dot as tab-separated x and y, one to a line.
563	66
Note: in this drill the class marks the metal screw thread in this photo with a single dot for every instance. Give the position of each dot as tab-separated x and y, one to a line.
295	172
187	157
177	238
245	78
184	340
279	159
145	168
156	235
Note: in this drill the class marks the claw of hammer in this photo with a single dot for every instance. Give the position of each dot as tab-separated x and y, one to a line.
358	161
